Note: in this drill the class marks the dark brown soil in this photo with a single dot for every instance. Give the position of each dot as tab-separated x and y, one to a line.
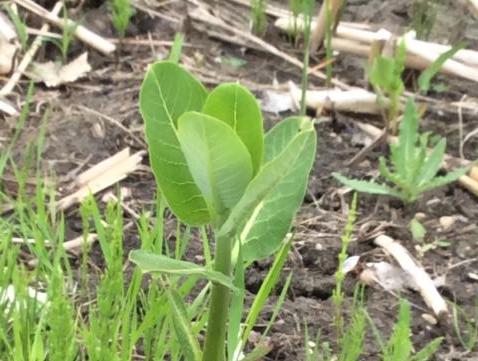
77	138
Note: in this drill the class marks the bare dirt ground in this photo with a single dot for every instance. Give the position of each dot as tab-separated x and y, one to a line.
83	129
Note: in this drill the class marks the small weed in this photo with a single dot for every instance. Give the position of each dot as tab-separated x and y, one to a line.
258	16
20	27
424	15
121	11
338	294
414	169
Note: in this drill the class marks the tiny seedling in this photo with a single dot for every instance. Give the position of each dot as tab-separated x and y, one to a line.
307	10
385	75
258	16
121	11
338	293
424	15
386	78
414	169
214	166
67	35
20	26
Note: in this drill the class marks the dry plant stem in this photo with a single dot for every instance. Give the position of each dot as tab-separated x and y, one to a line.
8	108
427	289
7	30
28	57
474	173
102	176
420	54
320	28
201	15
474	3
353	100
82	33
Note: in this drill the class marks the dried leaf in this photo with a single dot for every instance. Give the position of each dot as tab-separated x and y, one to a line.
55	74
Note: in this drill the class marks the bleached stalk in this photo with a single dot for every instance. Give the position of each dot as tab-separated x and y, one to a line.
354	100
332	7
363	37
82	33
28	57
427	289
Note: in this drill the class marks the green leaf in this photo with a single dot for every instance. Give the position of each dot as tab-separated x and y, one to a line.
432	163
427	352
417	229
381	74
386	173
262	191
407	139
237	106
166	93
266	288
367	186
427	75
219	161
444	180
399	346
270	221
158	263
176	49
183	327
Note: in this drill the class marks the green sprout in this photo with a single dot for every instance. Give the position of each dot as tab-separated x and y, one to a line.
258	16
414	169
215	166
121	11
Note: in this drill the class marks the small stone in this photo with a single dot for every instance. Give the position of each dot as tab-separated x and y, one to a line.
447	222
420	216
429	319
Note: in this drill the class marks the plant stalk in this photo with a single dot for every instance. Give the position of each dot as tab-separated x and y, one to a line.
214	347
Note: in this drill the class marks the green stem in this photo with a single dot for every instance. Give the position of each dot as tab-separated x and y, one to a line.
214	347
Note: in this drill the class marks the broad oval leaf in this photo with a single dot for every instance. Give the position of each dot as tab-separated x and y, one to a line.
218	160
166	93
237	106
268	225
262	193
150	262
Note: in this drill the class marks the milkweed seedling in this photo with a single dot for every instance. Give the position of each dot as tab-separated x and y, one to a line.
215	166
414	169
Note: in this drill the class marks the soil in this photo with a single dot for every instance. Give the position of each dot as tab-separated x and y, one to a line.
77	138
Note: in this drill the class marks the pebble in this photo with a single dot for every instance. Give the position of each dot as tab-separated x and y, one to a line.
429	319
420	216
447	222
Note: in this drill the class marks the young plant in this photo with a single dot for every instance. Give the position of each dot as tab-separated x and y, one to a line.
258	16
20	26
307	10
386	78
121	11
338	293
213	165
414	169
67	35
424	15
399	346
